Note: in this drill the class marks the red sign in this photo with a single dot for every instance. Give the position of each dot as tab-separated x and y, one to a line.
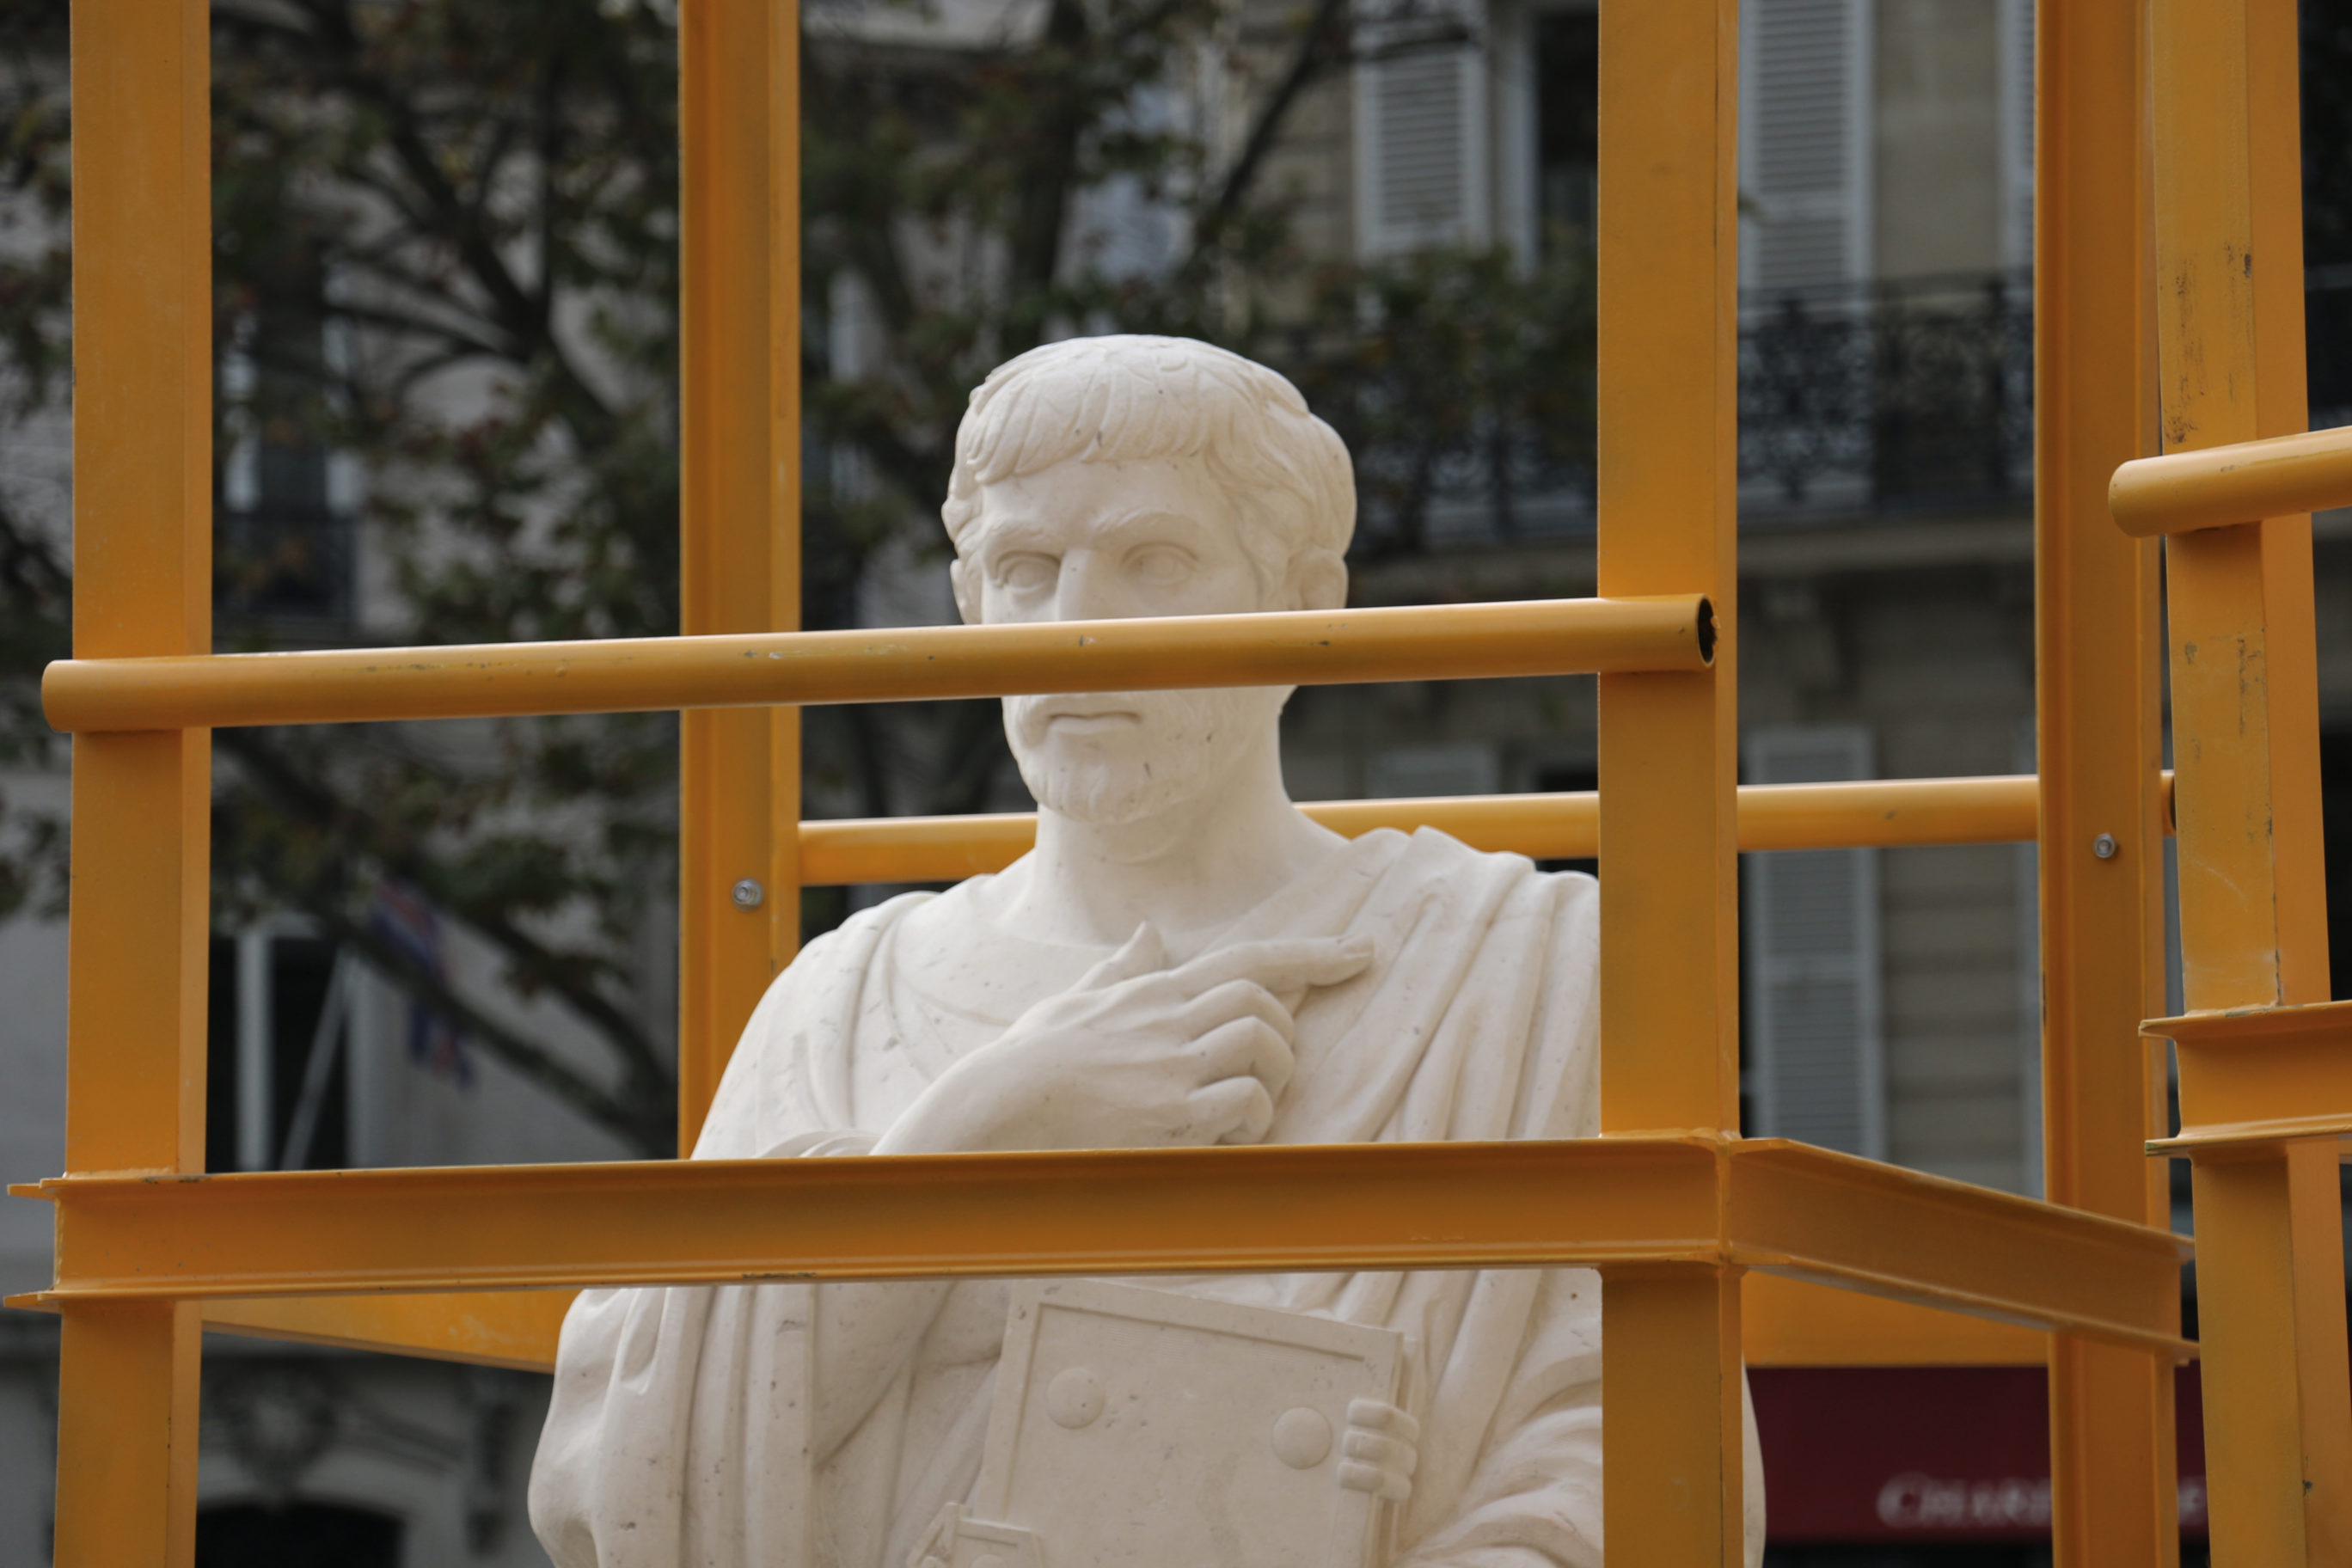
1860	1454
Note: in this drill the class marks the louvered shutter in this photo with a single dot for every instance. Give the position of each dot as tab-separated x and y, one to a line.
1421	133
1814	1017
2017	133
1804	150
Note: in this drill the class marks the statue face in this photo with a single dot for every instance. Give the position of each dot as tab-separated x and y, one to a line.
1107	541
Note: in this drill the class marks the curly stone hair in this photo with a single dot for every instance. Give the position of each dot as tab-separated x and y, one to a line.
1132	398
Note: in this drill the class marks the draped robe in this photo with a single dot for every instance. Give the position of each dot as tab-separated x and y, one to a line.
678	1434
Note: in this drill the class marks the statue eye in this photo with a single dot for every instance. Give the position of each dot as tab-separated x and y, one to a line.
1161	565
1027	574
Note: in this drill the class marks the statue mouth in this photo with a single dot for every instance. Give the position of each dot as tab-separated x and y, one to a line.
1091	723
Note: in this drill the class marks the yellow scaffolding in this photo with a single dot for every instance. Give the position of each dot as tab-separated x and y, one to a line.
1710	1245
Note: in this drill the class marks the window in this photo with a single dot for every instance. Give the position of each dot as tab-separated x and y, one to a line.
278	1085
2016	44
1813	1019
1567	127
1421	130
284	545
1805	154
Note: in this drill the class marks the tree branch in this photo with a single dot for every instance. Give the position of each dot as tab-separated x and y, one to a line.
531	959
1308	60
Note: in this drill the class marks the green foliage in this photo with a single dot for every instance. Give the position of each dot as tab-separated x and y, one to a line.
446	244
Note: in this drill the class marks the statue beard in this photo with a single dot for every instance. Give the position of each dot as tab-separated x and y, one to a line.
1181	744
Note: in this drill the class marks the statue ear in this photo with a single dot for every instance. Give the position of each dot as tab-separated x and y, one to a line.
967	592
1318	581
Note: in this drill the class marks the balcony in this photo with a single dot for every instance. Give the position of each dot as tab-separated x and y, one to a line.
1855	404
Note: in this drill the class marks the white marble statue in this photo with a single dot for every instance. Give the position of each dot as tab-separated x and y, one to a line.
1184	959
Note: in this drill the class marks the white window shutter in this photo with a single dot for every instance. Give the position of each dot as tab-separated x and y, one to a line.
1815	1020
2017	133
1421	138
1804	143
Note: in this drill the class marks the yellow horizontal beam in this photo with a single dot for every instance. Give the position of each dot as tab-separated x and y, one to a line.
1783	1322
2260	1075
2216	487
1883	813
1607	1203
1838	1219
486	1327
1541	636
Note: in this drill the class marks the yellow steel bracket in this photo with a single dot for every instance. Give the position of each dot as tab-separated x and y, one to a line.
2256	1076
1617	1203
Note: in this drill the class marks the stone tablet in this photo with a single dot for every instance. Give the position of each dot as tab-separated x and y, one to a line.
1141	1428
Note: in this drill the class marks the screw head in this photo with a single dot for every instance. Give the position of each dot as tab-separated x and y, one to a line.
2105	846
748	894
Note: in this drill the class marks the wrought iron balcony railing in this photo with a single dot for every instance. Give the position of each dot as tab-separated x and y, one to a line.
1893	398
1854	403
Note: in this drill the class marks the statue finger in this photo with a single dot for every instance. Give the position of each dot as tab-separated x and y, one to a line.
1247	1048
1238	999
1233	1110
1380	1415
1280	963
1356	1476
1386	1452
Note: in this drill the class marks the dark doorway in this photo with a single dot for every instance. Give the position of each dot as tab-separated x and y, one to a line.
299	1536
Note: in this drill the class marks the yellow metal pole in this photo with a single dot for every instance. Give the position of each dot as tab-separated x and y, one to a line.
1883	813
739	897
2100	749
2276	476
1668	492
898	664
2228	282
143	561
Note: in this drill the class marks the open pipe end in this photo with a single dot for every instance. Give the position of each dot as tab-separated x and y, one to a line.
1705	630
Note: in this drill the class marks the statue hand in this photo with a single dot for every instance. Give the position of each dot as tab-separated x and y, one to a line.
1381	1450
1136	1055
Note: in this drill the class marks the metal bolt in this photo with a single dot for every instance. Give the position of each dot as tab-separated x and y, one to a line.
2105	846
748	892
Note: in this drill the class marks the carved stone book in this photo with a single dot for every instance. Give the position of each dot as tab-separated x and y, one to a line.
1141	1428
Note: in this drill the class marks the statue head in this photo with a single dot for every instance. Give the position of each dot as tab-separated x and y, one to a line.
1105	477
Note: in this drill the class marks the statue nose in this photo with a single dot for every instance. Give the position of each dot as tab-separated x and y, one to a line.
1086	593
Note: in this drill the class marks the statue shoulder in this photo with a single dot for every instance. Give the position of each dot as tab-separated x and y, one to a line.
1435	852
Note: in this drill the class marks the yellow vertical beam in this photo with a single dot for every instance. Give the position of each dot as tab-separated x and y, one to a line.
143	563
2100	749
2254	1470
2228	286
1670	962
740	551
1671	1472
2282	407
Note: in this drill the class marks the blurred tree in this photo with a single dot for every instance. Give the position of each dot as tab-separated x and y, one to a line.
447	253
